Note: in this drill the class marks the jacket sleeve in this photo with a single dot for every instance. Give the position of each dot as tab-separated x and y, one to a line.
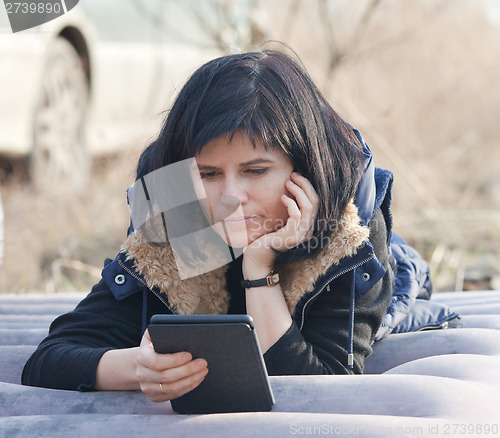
321	347
68	357
412	282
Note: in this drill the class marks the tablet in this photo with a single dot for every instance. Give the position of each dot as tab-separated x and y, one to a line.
237	378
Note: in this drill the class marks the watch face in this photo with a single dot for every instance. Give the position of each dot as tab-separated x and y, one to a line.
273	279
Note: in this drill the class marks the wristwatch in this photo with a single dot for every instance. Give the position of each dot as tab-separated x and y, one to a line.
271	280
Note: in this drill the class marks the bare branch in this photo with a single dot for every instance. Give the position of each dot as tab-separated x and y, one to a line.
336	54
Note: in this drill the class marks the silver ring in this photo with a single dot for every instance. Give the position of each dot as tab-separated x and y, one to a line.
161	388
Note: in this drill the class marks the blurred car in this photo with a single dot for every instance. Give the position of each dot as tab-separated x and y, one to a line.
93	81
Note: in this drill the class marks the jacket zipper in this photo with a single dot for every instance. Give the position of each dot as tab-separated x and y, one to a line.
442	325
133	274
357	265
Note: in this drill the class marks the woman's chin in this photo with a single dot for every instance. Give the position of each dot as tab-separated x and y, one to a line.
242	241
239	242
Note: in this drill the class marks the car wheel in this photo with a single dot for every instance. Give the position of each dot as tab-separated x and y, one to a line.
59	154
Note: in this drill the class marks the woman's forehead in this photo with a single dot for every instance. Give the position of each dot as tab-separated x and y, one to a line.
239	147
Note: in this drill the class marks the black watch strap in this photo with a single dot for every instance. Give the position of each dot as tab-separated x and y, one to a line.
271	280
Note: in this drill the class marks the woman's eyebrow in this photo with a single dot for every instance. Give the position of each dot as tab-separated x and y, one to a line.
205	167
256	161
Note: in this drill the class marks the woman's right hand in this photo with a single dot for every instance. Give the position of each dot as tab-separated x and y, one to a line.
177	373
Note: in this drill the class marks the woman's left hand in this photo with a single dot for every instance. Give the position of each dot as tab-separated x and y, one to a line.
299	227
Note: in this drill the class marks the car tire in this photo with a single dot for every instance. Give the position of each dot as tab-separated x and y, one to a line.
59	156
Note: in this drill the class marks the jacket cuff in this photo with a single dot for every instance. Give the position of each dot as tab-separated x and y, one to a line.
285	348
89	371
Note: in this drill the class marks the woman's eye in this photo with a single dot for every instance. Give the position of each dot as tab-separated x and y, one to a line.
253	171
258	170
208	175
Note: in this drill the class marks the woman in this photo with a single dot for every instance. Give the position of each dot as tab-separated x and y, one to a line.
284	183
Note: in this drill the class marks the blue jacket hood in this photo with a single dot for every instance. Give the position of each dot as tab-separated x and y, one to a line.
365	198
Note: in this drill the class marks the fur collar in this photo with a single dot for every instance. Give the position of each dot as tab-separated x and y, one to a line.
207	294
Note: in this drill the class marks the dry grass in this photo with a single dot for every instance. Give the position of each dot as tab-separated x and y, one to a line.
58	240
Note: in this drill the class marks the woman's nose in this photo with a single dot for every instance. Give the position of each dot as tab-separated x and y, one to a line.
234	191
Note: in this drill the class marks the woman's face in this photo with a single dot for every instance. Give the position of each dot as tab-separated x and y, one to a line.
243	186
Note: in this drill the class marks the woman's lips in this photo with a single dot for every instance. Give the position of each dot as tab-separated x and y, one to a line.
239	221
